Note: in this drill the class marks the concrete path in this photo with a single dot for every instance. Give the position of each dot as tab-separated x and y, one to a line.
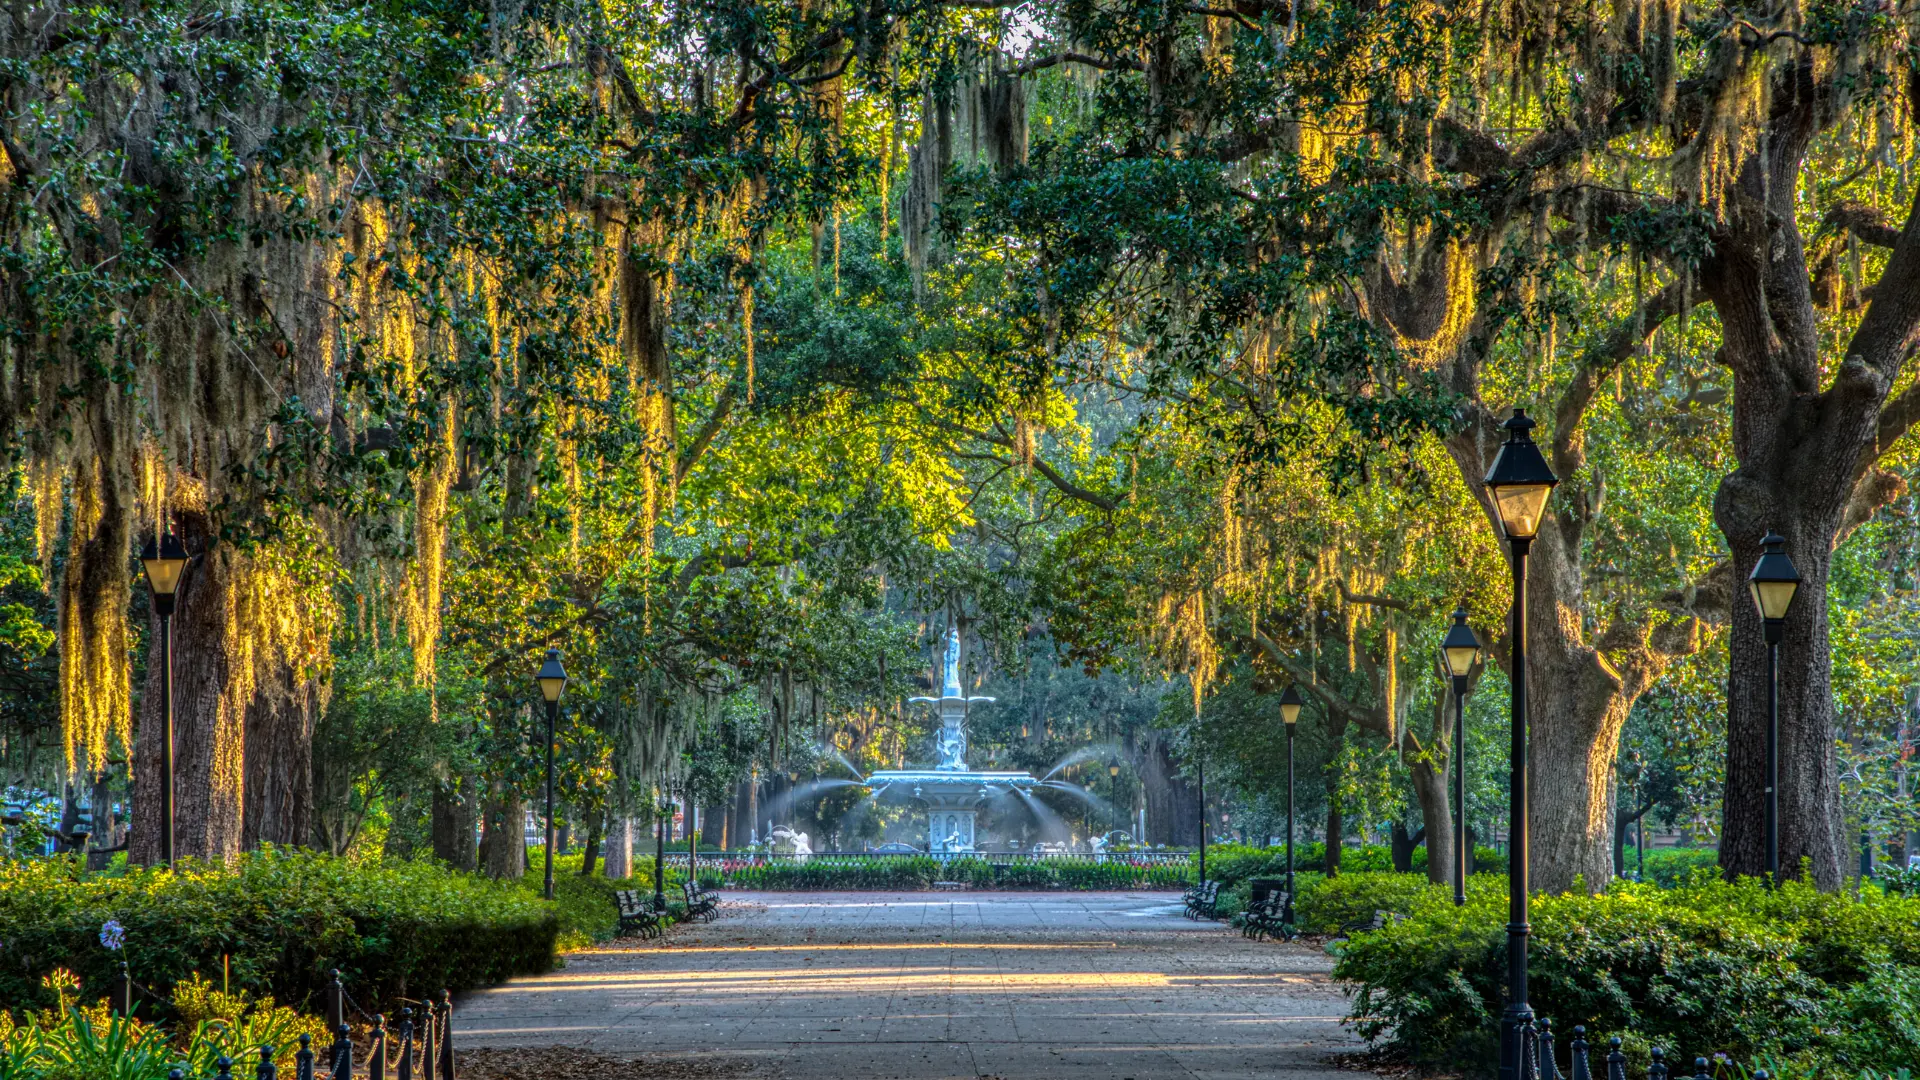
930	986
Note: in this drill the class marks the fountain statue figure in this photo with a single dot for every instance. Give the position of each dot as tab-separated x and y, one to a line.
951	792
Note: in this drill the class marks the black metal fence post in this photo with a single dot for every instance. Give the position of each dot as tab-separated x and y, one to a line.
343	1053
446	1035
377	1049
1657	1070
336	1001
406	1044
225	1065
1549	1070
303	1059
1581	1070
1616	1061
123	992
428	1025
266	1071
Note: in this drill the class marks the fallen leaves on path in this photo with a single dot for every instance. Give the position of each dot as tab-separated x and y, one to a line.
566	1063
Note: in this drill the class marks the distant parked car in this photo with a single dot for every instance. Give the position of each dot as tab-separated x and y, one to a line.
896	849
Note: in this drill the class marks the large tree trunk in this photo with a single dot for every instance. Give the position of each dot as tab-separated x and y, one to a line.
591	856
209	735
1811	824
279	760
1579	691
455	816
1436	817
1173	803
619	860
503	847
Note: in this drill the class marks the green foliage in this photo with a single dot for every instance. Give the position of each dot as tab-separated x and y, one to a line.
1811	979
920	872
1668	867
585	905
278	921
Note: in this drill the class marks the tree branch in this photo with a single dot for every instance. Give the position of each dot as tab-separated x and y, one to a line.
1885	333
1084	59
1066	487
1613	349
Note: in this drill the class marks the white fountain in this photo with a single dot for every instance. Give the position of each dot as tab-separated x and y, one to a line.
951	793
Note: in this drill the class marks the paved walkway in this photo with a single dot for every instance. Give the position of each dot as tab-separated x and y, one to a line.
919	986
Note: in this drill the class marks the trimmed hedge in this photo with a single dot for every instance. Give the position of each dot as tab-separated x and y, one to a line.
282	919
1798	978
909	873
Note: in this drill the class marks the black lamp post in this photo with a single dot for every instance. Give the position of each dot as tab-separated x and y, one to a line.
1113	799
1290	702
1461	651
164	560
659	853
1519	483
553	682
1773	583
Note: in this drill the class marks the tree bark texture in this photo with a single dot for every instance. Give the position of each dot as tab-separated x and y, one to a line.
1431	792
1173	803
503	847
278	786
1807	470
456	814
209	737
619	860
1580	686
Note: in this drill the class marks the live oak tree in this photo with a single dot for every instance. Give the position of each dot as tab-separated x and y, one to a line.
1423	212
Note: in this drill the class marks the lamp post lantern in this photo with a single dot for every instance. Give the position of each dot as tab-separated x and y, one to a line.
164	560
1518	483
553	682
1773	583
1461	650
1290	702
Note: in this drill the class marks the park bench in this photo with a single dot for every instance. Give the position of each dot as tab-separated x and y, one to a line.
638	915
701	903
1267	917
1203	900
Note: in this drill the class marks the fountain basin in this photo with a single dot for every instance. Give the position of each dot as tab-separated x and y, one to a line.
952	798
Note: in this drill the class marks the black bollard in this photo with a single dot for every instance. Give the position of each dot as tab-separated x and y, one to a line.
1616	1061
1581	1070
446	1035
303	1059
406	1044
266	1071
1549	1069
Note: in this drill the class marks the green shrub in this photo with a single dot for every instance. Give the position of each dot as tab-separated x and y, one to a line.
1668	867
585	905
1327	904
1810	979
280	919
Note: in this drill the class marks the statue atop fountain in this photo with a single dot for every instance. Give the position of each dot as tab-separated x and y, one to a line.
951	791
954	704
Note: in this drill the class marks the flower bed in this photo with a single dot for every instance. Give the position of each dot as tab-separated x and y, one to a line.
911	872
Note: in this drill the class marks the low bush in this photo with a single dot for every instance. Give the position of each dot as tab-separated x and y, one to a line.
1668	867
1804	979
276	921
585	906
1231	864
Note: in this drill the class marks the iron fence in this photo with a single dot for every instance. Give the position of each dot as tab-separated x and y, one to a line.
404	1051
1539	1061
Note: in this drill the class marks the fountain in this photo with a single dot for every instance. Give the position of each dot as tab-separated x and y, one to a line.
951	793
